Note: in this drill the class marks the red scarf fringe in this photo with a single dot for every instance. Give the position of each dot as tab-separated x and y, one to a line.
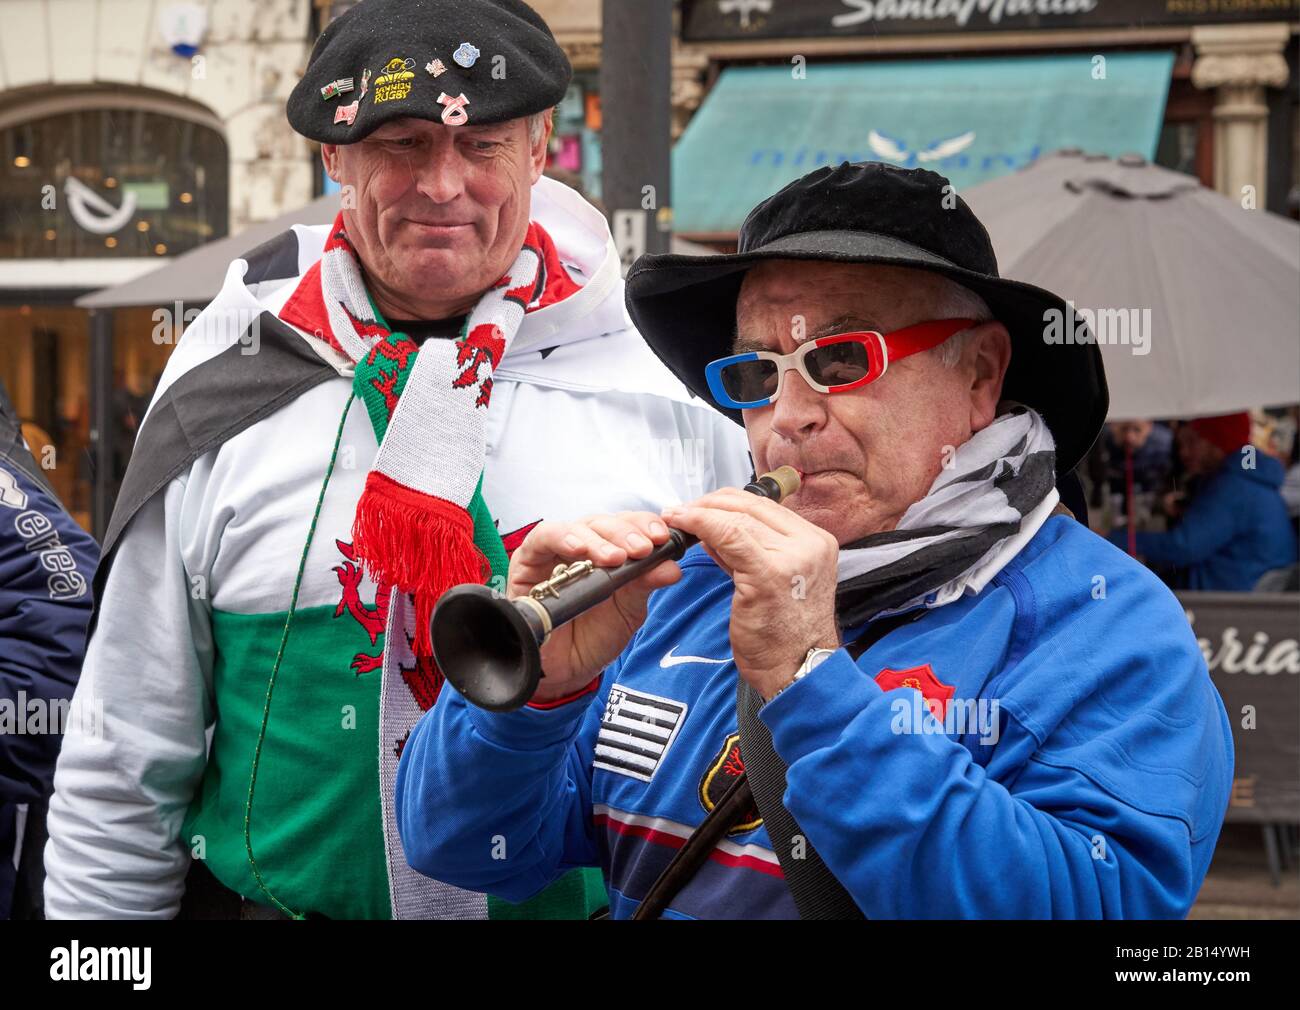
420	544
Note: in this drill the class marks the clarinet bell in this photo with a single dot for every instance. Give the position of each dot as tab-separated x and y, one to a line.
487	647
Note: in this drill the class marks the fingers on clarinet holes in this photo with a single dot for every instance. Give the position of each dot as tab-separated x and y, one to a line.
628	531
581	540
770	512
650	524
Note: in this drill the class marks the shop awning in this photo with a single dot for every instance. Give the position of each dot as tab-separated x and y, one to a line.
196	276
969	119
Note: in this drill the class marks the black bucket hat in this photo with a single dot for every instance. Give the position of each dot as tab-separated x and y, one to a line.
685	306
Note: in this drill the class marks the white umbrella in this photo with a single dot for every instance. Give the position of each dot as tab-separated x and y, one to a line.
1194	299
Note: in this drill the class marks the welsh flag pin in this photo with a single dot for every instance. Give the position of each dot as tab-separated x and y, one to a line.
336	88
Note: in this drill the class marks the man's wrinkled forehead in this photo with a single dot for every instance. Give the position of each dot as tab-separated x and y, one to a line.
752	337
813	299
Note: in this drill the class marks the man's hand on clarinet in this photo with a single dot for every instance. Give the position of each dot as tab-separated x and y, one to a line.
577	652
785	571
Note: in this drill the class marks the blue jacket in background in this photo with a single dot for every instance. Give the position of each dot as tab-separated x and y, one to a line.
1234	530
1096	786
47	566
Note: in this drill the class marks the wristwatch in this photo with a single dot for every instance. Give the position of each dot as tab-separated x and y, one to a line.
814	659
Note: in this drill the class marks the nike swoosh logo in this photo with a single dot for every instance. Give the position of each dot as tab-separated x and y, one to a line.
671	660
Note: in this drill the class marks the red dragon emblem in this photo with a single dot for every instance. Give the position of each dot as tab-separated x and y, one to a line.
366	329
483	344
398	353
372	621
424	679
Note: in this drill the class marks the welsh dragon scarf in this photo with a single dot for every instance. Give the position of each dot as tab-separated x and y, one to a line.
421	524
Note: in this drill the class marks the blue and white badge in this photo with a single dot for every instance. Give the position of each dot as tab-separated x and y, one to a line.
466	55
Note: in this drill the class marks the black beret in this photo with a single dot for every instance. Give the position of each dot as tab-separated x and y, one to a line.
449	61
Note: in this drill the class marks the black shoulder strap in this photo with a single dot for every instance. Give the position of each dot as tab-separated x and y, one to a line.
816	892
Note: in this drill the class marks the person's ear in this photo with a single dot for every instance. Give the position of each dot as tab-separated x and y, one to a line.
989	355
537	149
330	157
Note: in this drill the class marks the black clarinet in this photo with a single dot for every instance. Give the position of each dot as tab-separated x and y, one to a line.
489	647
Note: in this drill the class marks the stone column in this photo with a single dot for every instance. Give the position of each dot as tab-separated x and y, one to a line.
1239	62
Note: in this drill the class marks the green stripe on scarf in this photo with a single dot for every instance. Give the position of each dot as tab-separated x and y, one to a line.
487	538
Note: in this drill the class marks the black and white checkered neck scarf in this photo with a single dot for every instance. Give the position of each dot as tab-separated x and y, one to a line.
999	488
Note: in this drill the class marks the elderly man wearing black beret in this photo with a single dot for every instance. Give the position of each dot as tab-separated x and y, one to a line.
920	687
368	414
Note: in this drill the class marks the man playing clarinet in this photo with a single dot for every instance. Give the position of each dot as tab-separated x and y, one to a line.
945	696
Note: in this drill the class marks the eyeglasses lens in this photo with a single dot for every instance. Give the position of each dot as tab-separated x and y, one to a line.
838	364
747	381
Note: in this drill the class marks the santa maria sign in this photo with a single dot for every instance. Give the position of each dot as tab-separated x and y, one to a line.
720	20
960	12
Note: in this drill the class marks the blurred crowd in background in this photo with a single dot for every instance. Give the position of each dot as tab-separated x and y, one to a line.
1210	504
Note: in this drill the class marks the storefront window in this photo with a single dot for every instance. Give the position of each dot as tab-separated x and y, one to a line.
110	183
45	366
1187	133
78	190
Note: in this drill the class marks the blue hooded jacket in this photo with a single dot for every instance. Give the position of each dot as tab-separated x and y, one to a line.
1082	768
47	566
1235	528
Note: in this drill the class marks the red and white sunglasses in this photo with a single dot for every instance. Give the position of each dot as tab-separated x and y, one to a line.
833	364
